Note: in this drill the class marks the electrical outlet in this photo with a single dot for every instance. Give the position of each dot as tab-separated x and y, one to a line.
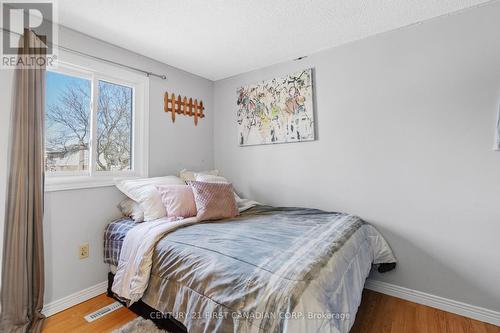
83	251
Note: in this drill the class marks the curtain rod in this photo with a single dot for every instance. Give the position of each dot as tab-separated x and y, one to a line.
67	49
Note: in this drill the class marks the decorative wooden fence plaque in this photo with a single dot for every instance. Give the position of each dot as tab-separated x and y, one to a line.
183	106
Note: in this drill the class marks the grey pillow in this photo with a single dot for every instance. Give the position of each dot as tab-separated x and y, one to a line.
130	208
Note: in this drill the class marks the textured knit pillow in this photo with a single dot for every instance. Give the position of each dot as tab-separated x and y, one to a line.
187	175
217	179
178	200
214	201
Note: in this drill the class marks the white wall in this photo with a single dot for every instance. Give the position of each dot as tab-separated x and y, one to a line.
405	135
73	217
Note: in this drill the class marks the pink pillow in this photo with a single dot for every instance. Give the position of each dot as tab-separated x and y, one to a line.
214	201
178	200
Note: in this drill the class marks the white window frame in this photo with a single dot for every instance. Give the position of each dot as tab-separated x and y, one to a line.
95	71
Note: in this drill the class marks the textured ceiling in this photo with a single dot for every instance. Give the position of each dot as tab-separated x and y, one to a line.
220	38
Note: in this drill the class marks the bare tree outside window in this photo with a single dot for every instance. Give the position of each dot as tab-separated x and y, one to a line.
114	127
68	124
67	121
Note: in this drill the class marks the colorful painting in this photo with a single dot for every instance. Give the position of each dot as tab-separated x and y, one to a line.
277	111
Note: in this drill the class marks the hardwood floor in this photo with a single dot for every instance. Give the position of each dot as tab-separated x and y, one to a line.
378	313
71	320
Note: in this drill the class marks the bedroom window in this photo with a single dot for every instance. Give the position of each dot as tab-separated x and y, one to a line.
114	127
67	122
95	126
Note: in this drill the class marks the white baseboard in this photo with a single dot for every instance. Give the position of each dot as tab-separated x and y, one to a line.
74	299
445	304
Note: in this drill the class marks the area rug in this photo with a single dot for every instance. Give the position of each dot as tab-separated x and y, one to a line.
139	325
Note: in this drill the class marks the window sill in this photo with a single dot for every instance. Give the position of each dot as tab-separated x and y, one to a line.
64	183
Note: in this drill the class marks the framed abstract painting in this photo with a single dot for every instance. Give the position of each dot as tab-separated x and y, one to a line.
277	111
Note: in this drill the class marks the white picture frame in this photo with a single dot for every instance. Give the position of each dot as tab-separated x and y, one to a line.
497	132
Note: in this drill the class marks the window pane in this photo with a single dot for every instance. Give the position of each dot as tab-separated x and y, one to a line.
114	127
67	122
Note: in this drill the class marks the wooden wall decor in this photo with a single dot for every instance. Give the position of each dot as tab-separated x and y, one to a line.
181	105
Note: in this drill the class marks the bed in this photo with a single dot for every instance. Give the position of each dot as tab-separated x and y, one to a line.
270	269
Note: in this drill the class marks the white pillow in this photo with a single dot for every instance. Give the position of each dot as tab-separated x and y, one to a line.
144	192
187	175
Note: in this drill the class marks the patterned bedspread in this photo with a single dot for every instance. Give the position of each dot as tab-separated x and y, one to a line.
114	234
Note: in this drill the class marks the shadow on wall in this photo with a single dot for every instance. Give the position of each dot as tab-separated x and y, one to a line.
433	273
